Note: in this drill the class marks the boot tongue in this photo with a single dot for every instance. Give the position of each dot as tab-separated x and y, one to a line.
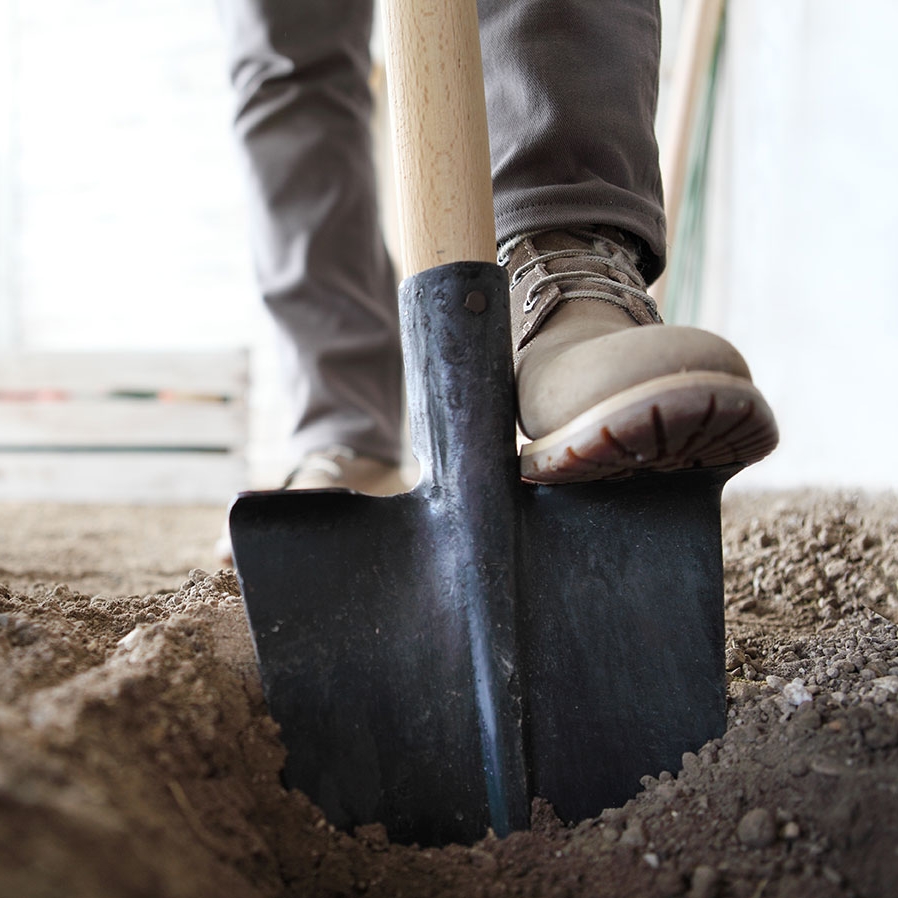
553	241
609	243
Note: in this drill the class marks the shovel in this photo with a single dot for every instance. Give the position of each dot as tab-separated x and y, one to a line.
439	658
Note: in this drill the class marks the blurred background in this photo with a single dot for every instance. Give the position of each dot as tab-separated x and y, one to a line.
136	363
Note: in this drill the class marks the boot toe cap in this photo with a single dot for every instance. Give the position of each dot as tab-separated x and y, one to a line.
554	388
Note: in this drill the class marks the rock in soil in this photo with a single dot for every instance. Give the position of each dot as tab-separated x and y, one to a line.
137	758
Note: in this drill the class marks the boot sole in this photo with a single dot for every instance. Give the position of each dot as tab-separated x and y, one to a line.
680	421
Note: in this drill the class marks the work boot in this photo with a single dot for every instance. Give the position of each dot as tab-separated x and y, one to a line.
336	467
605	389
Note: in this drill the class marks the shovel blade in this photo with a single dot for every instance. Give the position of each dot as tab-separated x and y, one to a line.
367	664
370	666
621	634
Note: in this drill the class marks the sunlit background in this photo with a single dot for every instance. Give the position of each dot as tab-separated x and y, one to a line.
122	234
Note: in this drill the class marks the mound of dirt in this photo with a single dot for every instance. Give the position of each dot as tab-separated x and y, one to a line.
137	758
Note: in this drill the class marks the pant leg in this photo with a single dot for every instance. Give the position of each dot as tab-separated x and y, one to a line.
572	87
300	70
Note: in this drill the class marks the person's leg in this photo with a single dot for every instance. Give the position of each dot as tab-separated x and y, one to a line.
572	87
571	90
300	70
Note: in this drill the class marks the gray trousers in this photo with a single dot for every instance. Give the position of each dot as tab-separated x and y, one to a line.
571	89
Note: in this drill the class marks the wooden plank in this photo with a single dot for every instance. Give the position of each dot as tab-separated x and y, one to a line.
699	27
152	477
84	423
221	372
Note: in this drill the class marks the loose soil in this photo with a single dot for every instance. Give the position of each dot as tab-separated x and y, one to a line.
137	758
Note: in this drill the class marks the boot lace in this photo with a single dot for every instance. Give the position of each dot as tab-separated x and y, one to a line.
600	287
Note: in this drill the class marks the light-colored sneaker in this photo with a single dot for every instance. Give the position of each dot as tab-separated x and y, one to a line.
337	467
344	468
605	389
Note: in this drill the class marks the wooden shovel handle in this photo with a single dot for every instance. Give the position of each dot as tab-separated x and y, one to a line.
440	140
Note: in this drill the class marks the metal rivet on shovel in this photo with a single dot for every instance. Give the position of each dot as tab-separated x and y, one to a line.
475	302
437	659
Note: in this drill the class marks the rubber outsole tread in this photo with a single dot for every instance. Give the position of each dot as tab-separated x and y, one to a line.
703	421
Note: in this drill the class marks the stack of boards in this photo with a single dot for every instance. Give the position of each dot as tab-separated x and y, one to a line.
123	427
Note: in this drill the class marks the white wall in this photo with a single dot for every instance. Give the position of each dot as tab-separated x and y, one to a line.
123	190
804	228
129	200
119	179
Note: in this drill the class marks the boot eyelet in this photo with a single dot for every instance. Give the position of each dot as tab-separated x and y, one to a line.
531	302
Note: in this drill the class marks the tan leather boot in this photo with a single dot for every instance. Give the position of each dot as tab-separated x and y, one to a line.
604	388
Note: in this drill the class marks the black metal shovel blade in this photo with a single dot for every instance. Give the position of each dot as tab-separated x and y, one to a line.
437	659
621	634
366	661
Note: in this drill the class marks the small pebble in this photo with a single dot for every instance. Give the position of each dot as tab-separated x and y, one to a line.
757	829
633	836
791	831
705	882
742	691
890	684
796	693
691	762
735	658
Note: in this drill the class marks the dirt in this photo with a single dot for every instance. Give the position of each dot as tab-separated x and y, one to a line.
137	759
